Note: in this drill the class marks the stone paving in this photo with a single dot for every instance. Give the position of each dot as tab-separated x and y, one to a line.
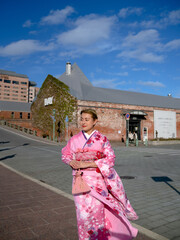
156	203
29	211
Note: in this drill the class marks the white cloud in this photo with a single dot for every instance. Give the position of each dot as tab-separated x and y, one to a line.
172	45
170	18
114	73
57	16
143	46
139	69
151	84
125	12
150	24
173	18
33	32
24	47
146	46
28	23
146	38
122	74
88	30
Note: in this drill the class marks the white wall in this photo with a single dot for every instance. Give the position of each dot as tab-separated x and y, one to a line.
165	124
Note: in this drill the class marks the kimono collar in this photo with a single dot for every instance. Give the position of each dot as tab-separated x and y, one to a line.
86	135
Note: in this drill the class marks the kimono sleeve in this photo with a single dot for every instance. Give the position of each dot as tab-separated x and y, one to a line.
106	164
67	153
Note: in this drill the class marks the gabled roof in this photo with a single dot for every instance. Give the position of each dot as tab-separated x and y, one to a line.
76	81
82	89
15	106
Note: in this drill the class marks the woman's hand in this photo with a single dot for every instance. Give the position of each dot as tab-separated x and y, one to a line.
76	164
82	164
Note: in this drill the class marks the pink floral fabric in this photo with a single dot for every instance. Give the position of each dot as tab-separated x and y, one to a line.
88	155
103	212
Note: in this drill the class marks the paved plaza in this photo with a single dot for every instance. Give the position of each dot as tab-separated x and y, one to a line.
151	176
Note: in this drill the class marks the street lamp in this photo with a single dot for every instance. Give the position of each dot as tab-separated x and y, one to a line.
127	128
67	120
54	120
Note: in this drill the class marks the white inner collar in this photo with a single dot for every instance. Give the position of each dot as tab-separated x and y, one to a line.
87	135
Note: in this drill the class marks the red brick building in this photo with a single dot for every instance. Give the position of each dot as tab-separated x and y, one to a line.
18	113
149	114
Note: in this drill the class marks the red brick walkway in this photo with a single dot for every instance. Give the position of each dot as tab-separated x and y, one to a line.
29	211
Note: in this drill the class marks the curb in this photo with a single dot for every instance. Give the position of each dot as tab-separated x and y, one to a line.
142	230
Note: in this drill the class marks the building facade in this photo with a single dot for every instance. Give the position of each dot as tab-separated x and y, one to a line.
33	92
16	87
18	113
149	116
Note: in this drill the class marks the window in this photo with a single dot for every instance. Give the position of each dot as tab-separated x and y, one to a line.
25	83
0	79
20	114
29	115
15	82
15	87
7	81
12	115
7	86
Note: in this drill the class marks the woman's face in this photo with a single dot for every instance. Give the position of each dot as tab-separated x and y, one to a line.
87	122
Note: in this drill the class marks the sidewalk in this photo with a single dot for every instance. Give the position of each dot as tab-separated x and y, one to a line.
29	211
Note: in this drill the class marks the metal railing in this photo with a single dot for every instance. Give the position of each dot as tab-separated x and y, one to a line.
19	128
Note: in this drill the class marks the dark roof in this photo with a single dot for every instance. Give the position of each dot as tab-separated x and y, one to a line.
10	73
32	84
15	106
82	89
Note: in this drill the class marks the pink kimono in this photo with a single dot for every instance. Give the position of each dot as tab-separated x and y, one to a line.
102	213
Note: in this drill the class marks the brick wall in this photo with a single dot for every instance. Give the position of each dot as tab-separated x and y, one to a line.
112	121
14	115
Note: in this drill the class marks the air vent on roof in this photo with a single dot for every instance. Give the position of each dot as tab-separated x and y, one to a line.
68	68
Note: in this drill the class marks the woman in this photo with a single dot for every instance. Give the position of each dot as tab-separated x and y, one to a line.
102	210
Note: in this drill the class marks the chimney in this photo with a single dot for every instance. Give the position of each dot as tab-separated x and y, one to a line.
68	68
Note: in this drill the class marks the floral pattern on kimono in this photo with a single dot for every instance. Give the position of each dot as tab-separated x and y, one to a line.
107	196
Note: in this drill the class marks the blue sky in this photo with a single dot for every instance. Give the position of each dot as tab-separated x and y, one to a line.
128	45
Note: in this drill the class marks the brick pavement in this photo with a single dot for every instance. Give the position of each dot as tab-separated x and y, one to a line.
29	211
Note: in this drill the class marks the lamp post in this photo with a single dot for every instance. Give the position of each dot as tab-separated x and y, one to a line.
127	129
67	120
54	120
